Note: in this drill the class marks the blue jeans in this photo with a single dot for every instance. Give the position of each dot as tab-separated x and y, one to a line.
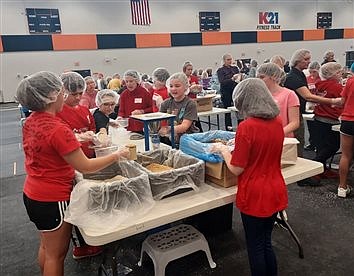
258	233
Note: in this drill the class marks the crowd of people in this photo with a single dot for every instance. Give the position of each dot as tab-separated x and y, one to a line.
68	110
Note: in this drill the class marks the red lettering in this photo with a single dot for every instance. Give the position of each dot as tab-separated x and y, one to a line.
263	18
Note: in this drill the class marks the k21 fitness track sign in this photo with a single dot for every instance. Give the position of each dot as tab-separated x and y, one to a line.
268	21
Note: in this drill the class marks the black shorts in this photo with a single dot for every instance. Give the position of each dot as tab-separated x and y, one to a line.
347	128
47	216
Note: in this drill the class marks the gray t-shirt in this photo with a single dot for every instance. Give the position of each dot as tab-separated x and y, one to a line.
185	109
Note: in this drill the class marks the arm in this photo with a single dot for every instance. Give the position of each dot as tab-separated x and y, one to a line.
184	126
304	92
224	151
294	121
78	160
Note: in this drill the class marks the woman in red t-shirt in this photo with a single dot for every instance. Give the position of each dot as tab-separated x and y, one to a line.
255	161
160	93
194	86
52	154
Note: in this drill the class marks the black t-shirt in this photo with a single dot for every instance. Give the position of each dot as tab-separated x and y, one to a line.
294	80
101	120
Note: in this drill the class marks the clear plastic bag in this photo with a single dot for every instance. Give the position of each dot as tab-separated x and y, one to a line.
199	144
187	173
102	205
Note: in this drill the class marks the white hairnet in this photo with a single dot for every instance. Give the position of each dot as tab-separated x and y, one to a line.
161	74
271	70
329	70
297	56
38	90
73	82
182	78
132	73
253	99
314	65
105	96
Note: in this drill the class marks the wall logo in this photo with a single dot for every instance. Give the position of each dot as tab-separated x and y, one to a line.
268	21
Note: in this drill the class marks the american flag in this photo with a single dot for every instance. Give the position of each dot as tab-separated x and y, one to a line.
140	12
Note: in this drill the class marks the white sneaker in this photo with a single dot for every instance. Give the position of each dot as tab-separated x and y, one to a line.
343	192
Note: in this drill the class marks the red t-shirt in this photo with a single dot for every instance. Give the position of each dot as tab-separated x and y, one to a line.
193	80
80	119
261	187
348	94
161	92
46	139
89	100
330	89
129	101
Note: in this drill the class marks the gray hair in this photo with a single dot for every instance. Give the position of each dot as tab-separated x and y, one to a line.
278	60
329	70
73	82
178	76
132	73
225	56
106	93
161	74
253	99
272	70
38	90
314	65
327	54
297	56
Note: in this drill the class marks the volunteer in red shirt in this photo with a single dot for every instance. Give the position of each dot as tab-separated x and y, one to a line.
78	117
160	93
134	100
255	161
194	87
327	141
346	137
52	154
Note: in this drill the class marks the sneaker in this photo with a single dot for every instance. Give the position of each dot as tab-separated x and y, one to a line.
311	181
86	251
329	174
343	192
310	147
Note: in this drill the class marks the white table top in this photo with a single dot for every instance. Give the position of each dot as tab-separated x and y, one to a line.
190	203
152	116
214	111
232	108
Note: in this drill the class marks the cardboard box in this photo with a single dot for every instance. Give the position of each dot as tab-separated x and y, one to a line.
205	103
218	173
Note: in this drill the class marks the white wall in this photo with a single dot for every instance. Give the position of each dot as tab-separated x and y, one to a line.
169	16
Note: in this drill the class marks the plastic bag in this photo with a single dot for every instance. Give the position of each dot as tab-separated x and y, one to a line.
187	173
98	204
199	144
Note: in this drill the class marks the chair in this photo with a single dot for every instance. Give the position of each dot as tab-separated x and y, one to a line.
174	243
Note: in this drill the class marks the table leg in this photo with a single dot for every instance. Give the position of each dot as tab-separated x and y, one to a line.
218	121
209	122
146	134
172	133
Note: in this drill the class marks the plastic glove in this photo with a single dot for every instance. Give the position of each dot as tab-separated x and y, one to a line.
165	131
219	148
122	153
157	99
85	136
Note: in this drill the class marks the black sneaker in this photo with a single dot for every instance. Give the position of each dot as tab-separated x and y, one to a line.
310	147
311	181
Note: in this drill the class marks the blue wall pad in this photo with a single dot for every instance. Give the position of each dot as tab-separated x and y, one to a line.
334	33
17	43
186	39
114	41
243	37
296	35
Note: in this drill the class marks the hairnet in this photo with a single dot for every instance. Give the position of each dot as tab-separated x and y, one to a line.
271	70
89	78
73	82
253	63
329	70
328	54
253	99
278	60
132	73
297	56
106	96
38	90
182	78
314	65
185	65
161	74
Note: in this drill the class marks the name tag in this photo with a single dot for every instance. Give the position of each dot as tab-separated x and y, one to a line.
138	100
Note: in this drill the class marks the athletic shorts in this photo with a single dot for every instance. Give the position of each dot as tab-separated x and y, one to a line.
47	216
347	128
